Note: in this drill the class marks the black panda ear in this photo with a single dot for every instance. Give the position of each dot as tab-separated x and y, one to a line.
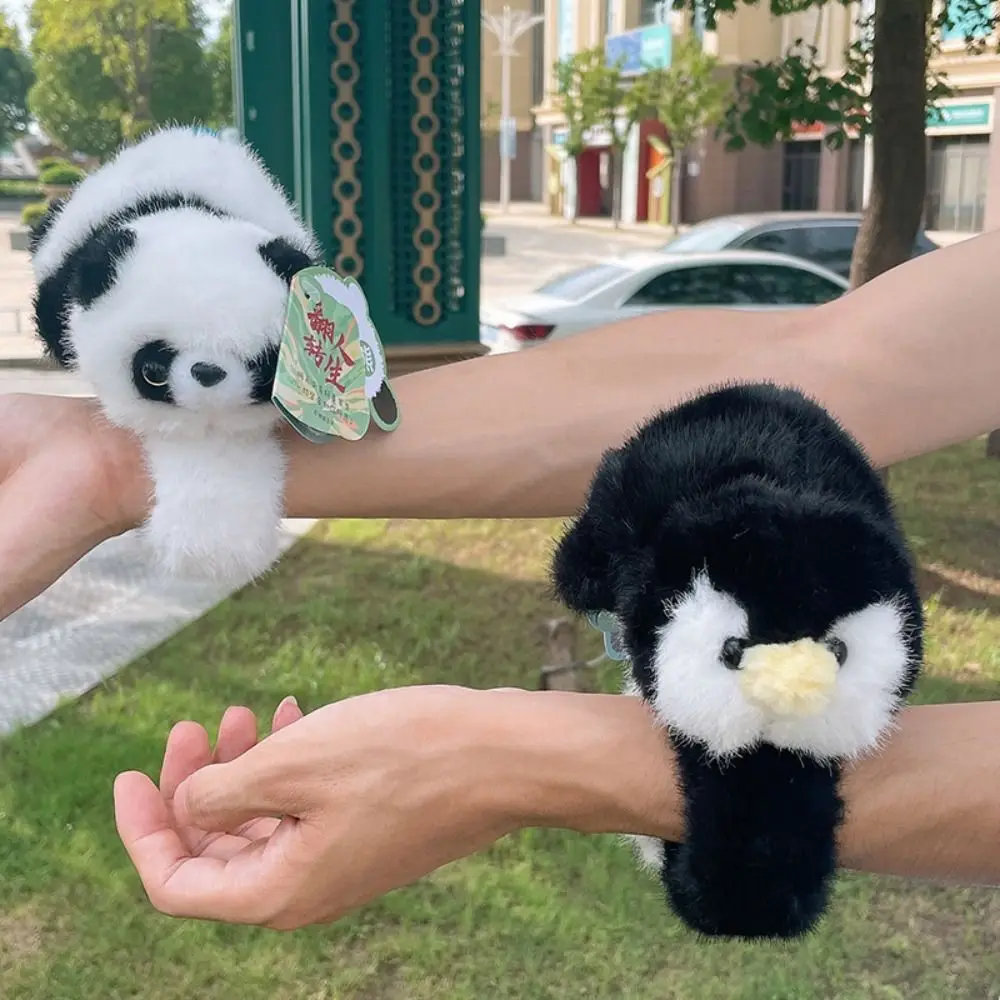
581	569
284	259
97	264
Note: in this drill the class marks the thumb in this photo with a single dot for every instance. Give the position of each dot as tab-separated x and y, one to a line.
220	798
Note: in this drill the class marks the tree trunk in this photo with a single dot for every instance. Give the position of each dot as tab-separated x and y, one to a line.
993	445
899	146
617	170
676	188
575	203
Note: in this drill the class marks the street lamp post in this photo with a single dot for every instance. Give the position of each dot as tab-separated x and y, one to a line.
507	28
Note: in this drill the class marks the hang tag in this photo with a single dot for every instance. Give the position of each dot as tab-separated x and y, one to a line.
331	380
608	625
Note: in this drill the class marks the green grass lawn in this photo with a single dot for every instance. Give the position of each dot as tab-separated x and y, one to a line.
543	914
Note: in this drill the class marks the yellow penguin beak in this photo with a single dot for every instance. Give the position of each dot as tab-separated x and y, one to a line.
790	679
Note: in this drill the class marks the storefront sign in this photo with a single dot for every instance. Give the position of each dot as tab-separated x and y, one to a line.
961	116
594	137
812	130
818	130
636	51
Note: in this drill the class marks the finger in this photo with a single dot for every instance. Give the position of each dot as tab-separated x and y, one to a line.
240	890
224	797
237	734
186	751
285	714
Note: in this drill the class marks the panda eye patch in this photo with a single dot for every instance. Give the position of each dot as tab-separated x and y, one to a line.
151	366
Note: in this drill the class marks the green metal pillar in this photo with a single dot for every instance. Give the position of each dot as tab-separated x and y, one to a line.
367	111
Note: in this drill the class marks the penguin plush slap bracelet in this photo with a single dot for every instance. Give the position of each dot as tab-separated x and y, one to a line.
744	558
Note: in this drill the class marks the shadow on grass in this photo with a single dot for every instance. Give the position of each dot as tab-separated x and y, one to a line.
332	621
338	619
962	592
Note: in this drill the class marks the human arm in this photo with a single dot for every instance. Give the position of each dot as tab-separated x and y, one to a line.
445	771
906	366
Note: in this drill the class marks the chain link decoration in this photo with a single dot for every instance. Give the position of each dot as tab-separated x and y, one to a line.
426	125
346	150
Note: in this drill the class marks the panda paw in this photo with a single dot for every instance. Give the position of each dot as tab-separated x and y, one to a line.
196	547
218	507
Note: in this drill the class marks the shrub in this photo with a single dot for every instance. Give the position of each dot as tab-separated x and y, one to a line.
61	174
33	212
19	189
50	161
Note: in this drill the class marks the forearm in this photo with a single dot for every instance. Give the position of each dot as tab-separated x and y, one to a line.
900	362
928	806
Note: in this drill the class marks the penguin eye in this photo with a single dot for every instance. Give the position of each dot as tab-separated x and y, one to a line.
839	649
156	374
732	652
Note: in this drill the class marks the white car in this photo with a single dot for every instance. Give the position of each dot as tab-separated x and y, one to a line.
639	283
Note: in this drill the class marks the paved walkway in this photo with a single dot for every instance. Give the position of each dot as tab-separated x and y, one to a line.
108	610
18	344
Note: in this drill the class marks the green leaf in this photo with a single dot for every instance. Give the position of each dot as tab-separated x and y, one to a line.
108	70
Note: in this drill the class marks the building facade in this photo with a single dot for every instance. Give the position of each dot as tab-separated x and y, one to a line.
527	90
800	174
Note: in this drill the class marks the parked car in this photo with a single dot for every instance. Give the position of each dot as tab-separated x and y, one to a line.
641	283
824	239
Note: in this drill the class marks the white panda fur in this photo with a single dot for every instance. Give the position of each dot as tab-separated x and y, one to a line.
226	174
194	282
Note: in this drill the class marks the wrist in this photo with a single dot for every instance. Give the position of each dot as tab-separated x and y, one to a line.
583	762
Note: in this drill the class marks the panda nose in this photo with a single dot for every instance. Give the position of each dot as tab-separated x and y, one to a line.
207	375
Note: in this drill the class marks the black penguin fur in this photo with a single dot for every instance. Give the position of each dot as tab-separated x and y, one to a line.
759	485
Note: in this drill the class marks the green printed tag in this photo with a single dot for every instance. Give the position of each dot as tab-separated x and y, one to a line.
331	380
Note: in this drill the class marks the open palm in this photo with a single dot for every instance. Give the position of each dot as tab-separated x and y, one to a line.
68	481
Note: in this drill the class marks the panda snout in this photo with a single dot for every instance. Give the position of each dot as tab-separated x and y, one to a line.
206	374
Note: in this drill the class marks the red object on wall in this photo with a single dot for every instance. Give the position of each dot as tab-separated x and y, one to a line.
588	183
646	162
814	130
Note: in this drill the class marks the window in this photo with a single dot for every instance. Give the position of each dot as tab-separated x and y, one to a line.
611	17
537	38
856	175
800	176
957	182
654	11
831	246
967	21
715	285
583	281
715	235
566	28
775	240
792	286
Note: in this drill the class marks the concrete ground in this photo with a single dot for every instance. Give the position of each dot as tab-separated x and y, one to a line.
110	607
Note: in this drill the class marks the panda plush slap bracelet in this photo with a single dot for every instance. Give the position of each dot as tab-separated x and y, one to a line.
166	280
742	555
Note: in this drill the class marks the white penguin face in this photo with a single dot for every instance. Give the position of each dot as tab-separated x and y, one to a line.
829	697
184	339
